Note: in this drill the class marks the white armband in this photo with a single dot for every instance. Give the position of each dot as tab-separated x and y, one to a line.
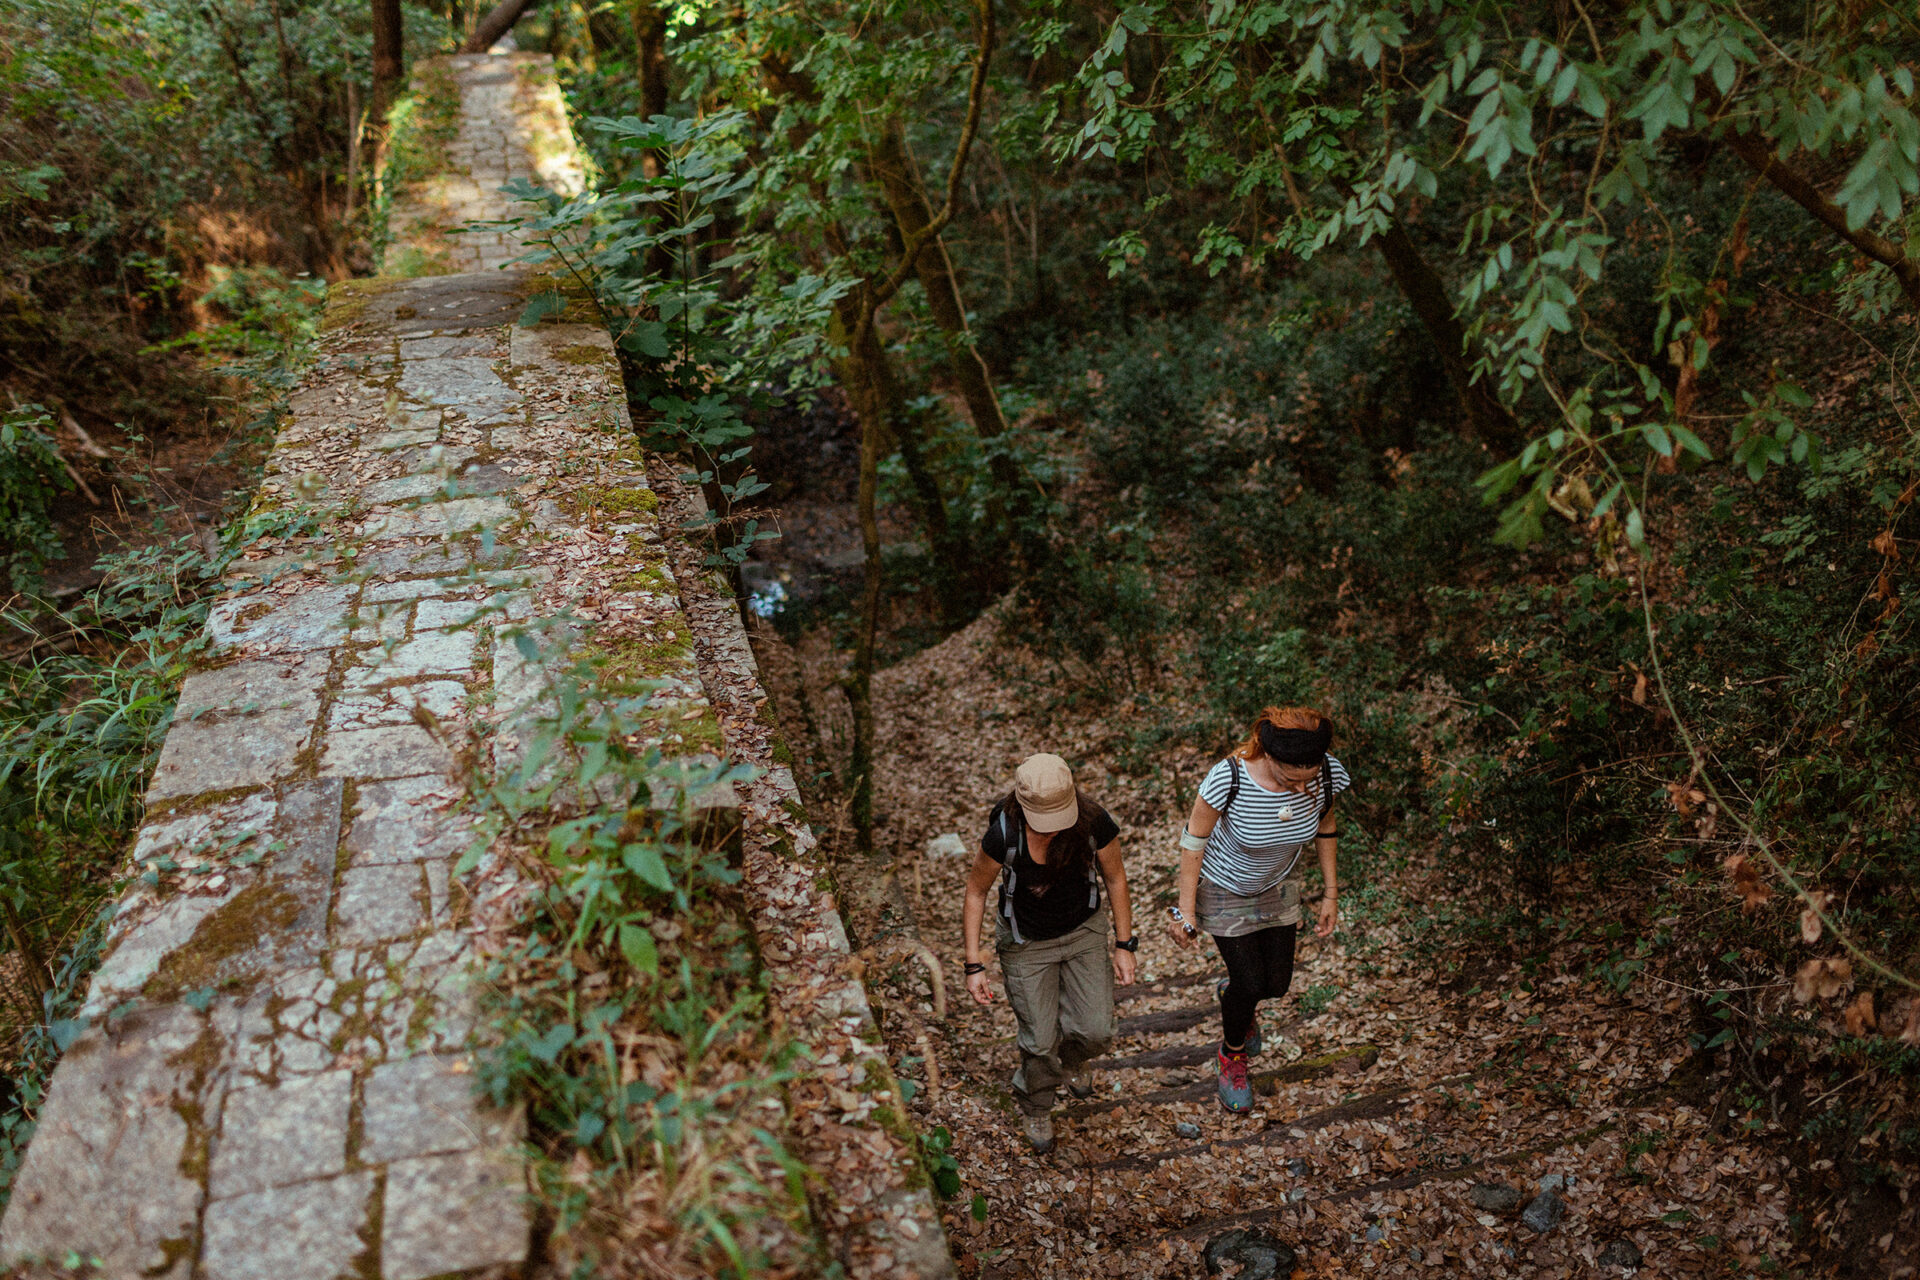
1191	842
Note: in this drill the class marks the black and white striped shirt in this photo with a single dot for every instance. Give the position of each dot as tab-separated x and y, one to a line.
1256	845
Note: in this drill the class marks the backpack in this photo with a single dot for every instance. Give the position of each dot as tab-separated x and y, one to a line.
1010	879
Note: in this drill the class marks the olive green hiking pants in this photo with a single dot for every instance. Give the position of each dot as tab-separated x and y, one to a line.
1061	990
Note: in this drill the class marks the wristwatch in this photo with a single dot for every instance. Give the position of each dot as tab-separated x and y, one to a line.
1131	944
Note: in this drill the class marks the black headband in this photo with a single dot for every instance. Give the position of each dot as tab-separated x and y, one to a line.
1296	746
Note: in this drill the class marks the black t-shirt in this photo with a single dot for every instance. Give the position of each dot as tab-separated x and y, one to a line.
1045	907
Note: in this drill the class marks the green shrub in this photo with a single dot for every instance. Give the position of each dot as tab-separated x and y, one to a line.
32	473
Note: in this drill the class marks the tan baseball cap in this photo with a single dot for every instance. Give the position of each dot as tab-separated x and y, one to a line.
1044	787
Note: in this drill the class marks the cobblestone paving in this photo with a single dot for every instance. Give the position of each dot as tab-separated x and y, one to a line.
513	124
275	1079
275	1082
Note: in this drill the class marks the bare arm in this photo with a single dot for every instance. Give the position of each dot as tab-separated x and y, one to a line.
1114	869
1200	823
980	878
1325	845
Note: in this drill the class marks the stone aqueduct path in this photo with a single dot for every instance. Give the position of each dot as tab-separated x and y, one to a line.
275	1078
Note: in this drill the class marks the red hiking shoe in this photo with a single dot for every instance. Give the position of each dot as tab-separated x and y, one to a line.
1236	1091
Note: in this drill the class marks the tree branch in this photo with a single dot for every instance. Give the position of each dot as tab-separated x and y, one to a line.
494	24
976	97
1763	160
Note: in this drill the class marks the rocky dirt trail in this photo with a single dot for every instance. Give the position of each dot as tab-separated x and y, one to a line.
1412	1117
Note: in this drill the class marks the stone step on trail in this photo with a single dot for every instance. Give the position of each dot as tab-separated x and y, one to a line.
1341	1061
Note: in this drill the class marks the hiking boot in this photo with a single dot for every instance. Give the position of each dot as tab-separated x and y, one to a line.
1253	1036
1080	1081
1236	1091
1039	1131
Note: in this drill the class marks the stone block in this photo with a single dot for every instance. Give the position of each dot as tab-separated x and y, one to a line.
541	348
441	519
310	817
388	441
224	828
443	698
393	751
448	304
131	964
436	615
421	1106
380	902
412	488
308	1231
242	725
407	821
457	1212
948	846
483	345
272	1135
464	383
106	1173
383	622
315	619
434	653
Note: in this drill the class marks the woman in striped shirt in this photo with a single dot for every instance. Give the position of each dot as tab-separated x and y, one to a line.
1240	864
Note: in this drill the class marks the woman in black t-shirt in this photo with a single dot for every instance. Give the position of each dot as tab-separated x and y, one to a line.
1051	847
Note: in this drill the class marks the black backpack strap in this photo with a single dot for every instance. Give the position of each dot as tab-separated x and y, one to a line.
1009	878
1233	787
1326	785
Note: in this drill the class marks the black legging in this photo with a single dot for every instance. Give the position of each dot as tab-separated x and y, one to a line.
1259	967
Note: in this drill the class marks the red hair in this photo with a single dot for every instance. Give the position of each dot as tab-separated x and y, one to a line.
1295	776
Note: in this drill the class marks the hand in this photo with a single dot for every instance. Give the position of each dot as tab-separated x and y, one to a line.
1123	967
1181	938
979	988
1329	914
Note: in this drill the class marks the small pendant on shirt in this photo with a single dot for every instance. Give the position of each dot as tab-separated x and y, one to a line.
1286	811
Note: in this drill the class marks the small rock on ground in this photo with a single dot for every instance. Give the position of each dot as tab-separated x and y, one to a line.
1620	1253
1187	1129
1544	1214
1494	1197
949	845
1260	1256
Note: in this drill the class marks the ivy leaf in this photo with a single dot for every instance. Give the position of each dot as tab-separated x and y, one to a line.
548	1047
644	861
540	306
65	1031
647	338
637	945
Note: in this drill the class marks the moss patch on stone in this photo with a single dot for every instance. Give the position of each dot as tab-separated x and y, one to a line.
348	300
652	577
611	501
627	662
584	353
210	958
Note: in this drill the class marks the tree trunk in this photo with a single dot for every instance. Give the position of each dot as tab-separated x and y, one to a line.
868	407
650	56
900	181
498	21
388	68
870	367
1427	294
